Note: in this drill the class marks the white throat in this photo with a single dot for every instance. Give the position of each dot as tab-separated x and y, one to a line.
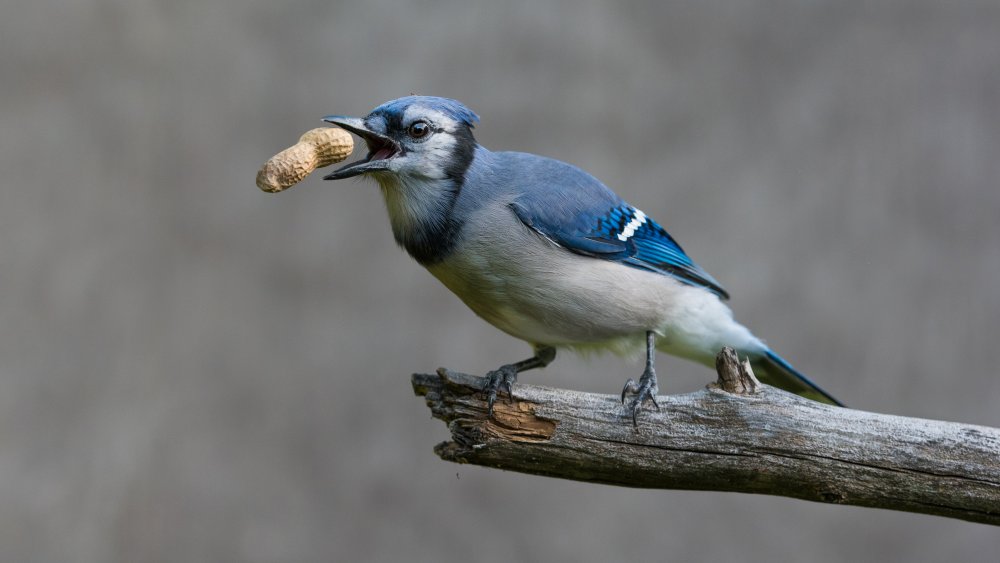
416	205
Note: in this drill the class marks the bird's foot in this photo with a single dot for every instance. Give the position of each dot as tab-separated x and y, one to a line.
502	378
644	390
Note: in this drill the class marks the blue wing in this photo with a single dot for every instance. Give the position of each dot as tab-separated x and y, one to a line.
583	216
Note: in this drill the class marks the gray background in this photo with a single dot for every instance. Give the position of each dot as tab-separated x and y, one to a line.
193	370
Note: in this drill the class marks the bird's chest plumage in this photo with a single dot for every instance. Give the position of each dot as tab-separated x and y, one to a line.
483	283
521	284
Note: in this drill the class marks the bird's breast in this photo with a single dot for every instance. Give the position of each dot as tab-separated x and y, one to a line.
544	294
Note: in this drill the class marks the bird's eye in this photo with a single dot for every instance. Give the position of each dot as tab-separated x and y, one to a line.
419	129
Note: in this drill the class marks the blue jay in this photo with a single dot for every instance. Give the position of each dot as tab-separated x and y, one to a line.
545	252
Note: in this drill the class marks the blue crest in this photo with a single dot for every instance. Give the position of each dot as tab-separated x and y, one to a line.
453	108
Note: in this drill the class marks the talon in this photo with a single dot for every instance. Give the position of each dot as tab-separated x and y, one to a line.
489	391
505	376
643	391
490	399
630	387
497	380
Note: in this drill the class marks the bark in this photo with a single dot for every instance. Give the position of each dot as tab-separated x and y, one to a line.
735	435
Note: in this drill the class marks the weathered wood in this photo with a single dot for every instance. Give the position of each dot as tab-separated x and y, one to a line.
763	441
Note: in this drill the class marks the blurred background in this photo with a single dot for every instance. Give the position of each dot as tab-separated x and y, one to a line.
194	370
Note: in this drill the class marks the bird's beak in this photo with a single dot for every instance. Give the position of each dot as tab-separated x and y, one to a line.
380	148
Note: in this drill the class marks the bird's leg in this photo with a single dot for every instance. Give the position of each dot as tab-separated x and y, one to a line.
646	388
505	376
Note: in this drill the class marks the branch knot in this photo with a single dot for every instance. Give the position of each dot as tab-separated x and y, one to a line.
735	377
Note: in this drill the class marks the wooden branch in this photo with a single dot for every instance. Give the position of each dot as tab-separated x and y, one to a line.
736	435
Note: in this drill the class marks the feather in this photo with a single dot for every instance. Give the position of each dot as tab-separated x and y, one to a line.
577	212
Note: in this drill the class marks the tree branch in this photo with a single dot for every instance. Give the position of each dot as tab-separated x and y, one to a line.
736	435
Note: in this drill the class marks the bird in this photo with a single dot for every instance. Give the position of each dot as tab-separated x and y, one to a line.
545	252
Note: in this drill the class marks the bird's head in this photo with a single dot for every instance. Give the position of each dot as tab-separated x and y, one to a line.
419	149
424	138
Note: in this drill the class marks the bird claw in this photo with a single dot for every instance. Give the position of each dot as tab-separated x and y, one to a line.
644	390
631	387
502	378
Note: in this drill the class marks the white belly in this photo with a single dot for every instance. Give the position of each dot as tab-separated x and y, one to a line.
531	289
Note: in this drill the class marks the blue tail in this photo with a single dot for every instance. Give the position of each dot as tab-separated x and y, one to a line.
774	370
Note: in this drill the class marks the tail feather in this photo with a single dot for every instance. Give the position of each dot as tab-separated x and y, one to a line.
774	370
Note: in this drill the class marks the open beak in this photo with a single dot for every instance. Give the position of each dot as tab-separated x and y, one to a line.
380	148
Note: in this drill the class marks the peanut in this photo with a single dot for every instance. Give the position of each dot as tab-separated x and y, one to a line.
315	149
